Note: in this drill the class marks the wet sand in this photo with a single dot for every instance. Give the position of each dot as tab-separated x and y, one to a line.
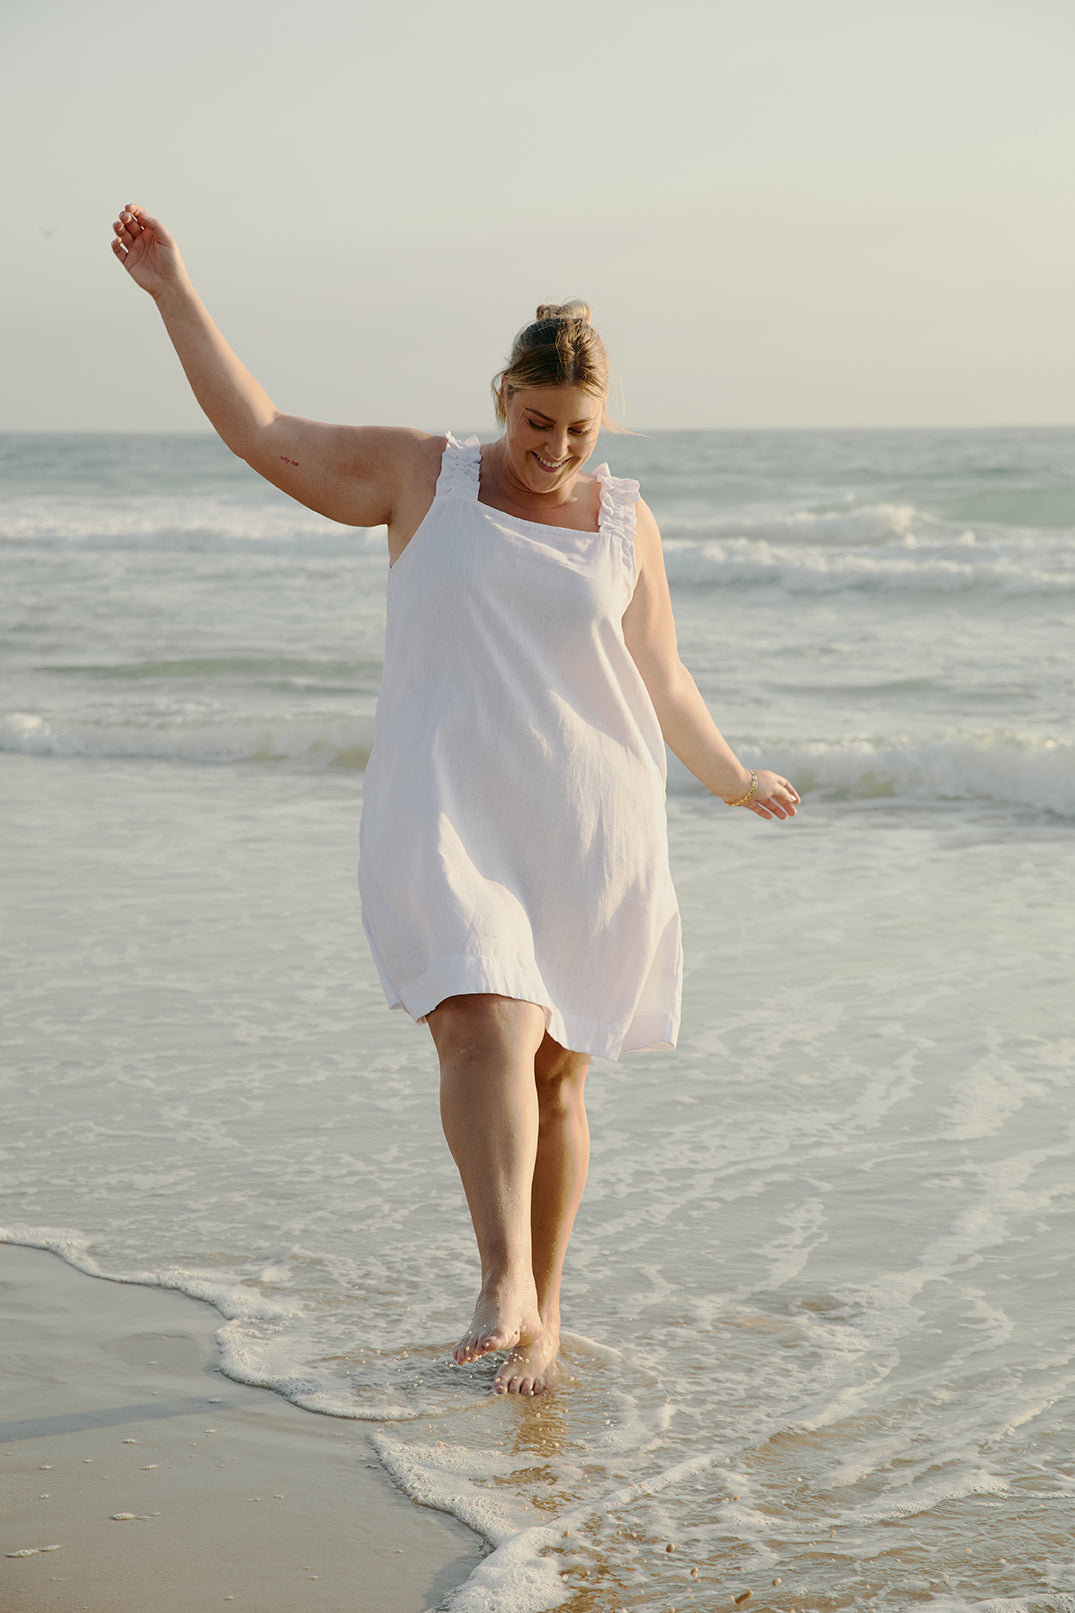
134	1475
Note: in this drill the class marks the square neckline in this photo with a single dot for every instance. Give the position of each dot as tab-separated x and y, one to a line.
545	526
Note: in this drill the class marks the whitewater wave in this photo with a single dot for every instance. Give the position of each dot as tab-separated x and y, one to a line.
235	1300
296	742
958	564
196	525
879	546
1008	768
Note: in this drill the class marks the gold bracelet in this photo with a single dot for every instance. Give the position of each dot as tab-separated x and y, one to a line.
745	800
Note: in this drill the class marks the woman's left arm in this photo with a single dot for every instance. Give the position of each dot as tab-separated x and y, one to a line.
689	731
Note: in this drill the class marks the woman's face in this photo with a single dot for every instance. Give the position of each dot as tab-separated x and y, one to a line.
550	433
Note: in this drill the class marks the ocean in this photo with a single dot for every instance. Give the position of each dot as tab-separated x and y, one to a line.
820	1294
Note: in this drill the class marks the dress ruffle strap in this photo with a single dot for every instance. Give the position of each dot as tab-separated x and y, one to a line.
460	469
619	495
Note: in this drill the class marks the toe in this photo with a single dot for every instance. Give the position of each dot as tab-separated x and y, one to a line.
516	1383
499	1339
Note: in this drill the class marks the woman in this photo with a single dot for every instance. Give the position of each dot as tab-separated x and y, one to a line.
513	863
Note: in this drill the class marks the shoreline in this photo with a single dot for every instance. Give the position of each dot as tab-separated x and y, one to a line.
136	1475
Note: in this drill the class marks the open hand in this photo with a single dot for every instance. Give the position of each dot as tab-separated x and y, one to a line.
146	250
774	797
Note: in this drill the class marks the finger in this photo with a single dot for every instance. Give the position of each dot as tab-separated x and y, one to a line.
144	220
773	808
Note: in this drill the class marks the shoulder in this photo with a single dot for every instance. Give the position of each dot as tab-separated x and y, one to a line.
416	457
411	462
401	447
649	551
647	532
645	516
381	460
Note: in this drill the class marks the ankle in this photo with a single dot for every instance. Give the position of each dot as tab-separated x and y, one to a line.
550	1319
506	1279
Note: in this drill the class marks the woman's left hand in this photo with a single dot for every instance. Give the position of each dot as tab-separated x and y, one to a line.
774	797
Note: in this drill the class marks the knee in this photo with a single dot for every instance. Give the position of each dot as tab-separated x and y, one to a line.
560	1082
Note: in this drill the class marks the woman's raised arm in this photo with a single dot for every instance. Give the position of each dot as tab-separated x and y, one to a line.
350	474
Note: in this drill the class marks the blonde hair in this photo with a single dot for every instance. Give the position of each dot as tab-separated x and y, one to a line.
559	348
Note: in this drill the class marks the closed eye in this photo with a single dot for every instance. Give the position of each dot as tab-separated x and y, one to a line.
576	431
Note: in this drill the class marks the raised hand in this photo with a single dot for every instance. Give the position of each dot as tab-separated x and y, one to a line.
146	250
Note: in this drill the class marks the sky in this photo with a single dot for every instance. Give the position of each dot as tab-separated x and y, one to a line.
787	213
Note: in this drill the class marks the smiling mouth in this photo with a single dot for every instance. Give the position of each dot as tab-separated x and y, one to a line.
555	465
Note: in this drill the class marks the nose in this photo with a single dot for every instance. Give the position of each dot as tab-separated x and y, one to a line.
557	444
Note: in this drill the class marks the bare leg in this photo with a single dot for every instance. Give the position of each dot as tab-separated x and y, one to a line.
489	1109
563	1157
513	1115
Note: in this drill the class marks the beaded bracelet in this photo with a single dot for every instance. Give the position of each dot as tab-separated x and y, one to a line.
745	800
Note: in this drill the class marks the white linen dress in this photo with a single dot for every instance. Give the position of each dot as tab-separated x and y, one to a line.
513	836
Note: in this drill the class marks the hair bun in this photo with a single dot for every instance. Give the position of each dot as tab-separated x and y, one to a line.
558	348
565	310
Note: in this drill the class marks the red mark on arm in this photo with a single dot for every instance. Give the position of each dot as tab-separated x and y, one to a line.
288	461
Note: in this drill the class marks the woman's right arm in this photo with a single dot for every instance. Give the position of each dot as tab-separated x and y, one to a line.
347	473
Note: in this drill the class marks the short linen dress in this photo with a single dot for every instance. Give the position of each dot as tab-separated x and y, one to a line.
514	833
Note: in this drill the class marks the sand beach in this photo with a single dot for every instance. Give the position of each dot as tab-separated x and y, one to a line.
134	1475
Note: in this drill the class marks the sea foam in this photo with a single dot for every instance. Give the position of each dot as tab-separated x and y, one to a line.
1023	770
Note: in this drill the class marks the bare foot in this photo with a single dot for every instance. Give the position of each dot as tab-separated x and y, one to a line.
505	1314
532	1367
